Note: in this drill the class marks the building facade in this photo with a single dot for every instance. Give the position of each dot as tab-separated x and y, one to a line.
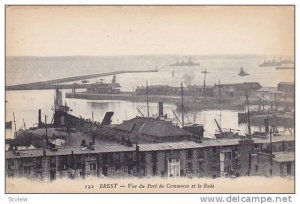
209	158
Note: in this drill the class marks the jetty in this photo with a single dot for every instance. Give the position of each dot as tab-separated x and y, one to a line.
53	84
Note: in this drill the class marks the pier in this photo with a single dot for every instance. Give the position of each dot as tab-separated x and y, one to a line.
53	84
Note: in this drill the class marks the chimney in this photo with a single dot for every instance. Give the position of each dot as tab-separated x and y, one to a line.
93	140
266	122
160	109
44	152
40	117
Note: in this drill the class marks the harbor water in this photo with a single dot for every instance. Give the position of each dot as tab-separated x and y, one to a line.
25	104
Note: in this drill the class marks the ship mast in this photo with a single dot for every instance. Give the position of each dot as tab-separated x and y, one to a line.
204	85
248	113
220	103
15	125
182	107
147	92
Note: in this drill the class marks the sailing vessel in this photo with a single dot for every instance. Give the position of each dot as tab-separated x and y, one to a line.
183	63
242	72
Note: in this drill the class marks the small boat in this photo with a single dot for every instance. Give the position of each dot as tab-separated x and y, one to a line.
242	72
205	72
226	134
84	81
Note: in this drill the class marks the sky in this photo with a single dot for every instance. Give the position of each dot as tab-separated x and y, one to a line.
149	30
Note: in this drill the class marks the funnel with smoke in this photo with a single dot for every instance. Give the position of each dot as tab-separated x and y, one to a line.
187	79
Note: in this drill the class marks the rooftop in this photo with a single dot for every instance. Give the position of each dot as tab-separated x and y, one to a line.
269	89
145	147
151	126
200	86
286	83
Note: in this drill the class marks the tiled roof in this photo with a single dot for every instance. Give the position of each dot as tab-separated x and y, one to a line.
142	147
68	151
169	146
151	126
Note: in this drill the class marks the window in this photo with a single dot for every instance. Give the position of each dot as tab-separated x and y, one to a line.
134	156
122	157
214	150
200	154
111	170
93	167
38	162
100	158
189	167
228	155
109	158
153	156
126	169
44	161
154	170
289	168
116	157
189	154
200	164
256	168
52	161
126	156
100	171
143	157
26	170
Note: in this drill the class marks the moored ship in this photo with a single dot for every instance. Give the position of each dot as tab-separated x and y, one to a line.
183	63
270	63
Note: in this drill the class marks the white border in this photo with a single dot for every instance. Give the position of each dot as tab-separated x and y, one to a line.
41	198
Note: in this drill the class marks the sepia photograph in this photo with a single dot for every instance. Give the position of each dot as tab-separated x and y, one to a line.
149	99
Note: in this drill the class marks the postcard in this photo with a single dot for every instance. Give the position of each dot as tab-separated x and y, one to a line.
150	99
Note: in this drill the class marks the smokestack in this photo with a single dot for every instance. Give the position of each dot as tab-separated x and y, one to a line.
93	141
266	122
40	117
160	109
